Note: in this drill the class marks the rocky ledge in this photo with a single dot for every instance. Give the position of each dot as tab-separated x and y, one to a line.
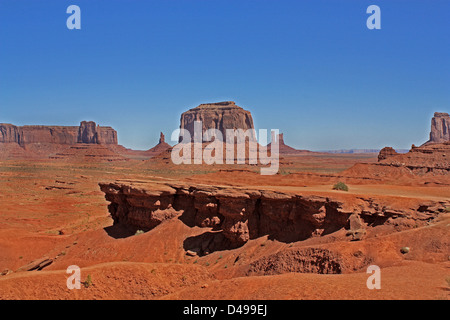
237	215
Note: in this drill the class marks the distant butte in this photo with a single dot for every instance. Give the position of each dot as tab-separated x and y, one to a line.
440	128
86	142
285	149
86	132
160	147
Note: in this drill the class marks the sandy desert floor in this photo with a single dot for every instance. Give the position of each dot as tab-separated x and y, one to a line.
55	209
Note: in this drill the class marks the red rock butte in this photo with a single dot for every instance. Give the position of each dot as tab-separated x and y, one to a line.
220	115
440	128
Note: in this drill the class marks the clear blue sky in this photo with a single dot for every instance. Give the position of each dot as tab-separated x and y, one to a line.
309	68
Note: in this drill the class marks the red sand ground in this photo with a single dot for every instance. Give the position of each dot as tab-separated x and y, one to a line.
55	209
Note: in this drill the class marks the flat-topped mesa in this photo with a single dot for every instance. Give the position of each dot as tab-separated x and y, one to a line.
440	128
220	115
47	135
86	132
89	132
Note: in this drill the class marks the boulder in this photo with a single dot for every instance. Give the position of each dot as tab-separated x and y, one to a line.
38	264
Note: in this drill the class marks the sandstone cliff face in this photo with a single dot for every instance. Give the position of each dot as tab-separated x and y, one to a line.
8	133
87	132
239	215
47	134
107	135
220	115
440	128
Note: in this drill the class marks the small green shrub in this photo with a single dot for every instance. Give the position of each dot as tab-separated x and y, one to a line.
88	281
340	186
139	232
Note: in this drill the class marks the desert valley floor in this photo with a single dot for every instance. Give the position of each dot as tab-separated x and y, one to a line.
60	218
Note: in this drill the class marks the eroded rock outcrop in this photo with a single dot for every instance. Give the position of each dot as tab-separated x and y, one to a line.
241	214
386	152
433	157
427	159
285	149
159	148
305	260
